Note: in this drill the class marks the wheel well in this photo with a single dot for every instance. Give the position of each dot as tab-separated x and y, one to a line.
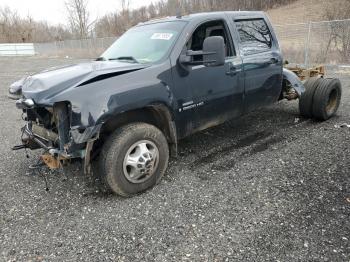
288	91
157	115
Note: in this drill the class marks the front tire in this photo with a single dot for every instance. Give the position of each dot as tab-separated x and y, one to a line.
134	158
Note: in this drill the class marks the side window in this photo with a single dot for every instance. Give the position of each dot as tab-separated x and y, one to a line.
212	28
254	34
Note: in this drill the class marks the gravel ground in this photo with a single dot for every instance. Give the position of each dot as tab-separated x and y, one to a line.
266	187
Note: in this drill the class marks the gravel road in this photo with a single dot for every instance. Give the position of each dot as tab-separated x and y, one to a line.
267	187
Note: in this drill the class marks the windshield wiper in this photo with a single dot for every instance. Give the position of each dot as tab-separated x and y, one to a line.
101	59
126	58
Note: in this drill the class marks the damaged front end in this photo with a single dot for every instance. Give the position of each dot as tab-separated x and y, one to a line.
65	107
49	128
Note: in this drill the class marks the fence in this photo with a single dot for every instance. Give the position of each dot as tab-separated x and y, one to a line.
89	48
326	42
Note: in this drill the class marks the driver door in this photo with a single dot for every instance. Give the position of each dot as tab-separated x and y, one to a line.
217	92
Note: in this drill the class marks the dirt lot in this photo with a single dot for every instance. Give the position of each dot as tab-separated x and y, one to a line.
264	188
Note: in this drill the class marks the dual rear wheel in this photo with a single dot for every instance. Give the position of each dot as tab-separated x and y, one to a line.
321	98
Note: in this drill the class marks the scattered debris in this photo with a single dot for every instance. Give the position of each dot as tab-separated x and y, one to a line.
342	125
50	161
296	120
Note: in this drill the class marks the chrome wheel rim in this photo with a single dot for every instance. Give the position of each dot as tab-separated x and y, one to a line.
141	161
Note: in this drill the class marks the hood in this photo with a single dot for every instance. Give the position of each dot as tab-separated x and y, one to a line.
51	82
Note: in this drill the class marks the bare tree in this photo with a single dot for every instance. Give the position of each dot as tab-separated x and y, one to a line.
79	17
16	29
125	4
340	31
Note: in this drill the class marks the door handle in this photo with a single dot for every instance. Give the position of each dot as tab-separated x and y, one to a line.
273	61
232	71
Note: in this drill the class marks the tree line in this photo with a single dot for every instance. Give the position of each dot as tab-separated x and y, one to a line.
17	29
80	24
118	22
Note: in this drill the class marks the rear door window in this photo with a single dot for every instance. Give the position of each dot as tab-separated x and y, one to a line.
255	36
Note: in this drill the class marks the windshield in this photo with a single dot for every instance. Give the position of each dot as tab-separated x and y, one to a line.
144	44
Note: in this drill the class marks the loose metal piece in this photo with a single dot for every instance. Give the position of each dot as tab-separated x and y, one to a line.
51	161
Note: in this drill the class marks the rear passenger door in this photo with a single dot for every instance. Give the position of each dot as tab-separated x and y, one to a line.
262	62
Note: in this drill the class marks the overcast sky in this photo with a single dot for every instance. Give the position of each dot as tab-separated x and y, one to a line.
54	11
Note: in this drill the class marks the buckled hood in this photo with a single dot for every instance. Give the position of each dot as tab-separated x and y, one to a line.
51	82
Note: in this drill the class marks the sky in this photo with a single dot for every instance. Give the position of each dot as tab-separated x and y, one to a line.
54	11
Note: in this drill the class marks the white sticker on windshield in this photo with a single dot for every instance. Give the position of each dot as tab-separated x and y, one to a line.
162	36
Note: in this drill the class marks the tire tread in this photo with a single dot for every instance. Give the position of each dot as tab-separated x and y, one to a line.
306	99
107	155
321	97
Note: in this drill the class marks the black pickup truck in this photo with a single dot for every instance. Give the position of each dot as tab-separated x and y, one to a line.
158	83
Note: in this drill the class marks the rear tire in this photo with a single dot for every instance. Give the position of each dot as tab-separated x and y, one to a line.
306	99
326	98
133	159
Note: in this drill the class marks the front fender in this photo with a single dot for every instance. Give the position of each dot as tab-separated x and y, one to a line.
294	80
95	103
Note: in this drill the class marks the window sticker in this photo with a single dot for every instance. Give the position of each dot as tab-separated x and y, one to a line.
162	36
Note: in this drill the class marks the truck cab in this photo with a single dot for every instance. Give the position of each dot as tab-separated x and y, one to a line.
249	77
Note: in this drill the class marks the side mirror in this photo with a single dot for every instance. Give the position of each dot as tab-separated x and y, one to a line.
214	51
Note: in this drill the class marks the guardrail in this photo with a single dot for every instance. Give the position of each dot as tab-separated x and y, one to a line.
18	49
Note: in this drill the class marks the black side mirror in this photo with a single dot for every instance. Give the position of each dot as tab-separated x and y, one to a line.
214	51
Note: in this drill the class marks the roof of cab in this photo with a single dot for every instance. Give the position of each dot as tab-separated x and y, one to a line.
196	16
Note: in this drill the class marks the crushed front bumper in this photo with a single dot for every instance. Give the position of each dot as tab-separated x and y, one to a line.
35	137
50	129
33	141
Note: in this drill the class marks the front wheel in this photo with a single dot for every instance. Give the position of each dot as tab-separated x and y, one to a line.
134	158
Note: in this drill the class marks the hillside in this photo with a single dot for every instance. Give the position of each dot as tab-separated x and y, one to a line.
302	11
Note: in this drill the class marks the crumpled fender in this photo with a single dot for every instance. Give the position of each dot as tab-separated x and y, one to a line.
294	80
